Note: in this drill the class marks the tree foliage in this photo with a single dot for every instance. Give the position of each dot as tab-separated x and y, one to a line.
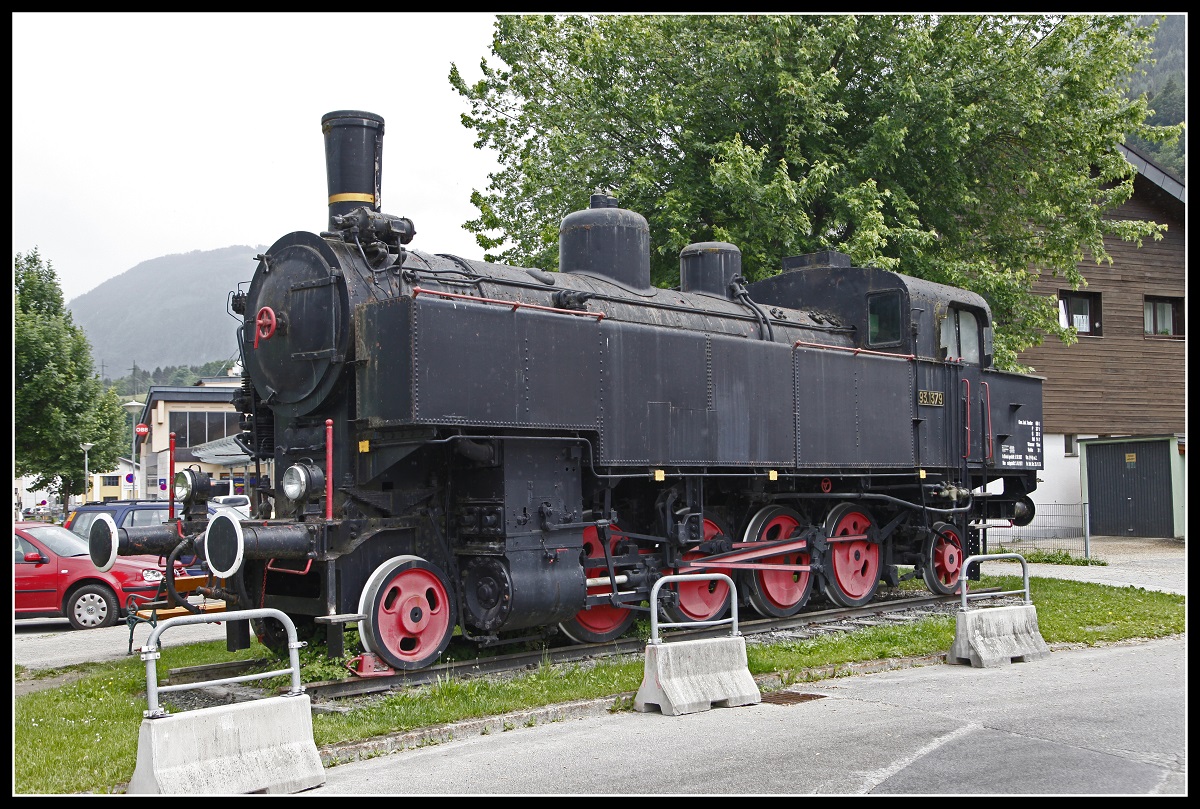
58	400
1162	78
139	380
977	151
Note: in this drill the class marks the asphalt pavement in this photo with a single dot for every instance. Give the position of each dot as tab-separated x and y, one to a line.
1108	720
1096	721
51	643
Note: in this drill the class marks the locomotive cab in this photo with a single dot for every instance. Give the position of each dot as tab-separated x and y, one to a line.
887	311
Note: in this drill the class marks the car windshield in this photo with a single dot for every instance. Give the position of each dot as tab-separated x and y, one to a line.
82	524
59	540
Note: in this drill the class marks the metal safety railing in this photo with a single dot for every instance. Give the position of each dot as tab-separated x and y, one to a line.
151	654
992	594
732	620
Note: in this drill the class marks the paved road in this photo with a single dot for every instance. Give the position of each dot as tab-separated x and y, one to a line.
1101	721
49	643
1149	563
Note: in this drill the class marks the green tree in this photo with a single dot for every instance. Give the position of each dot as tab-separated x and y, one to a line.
1163	80
977	151
59	401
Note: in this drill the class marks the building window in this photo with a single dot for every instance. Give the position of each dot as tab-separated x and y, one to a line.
195	427
1164	317
110	480
1070	445
1081	311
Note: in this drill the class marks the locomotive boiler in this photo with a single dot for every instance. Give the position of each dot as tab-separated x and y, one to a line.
506	453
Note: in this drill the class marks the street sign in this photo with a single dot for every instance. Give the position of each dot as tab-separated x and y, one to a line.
129	478
142	430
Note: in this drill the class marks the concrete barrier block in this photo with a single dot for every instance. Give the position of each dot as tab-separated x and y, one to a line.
997	636
263	746
695	675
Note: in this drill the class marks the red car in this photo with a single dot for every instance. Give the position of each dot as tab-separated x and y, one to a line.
53	577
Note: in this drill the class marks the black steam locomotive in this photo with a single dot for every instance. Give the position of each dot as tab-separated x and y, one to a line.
510	453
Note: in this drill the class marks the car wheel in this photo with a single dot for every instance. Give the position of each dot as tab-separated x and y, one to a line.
91	607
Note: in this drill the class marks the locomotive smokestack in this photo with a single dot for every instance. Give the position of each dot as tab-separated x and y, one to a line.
353	160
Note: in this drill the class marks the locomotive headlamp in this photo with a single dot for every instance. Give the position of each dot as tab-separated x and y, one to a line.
1023	512
191	485
302	481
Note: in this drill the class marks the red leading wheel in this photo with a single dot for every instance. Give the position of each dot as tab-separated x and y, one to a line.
409	613
777	593
852	569
598	623
943	557
703	600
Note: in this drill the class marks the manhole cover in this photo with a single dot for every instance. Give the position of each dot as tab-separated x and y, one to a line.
789	697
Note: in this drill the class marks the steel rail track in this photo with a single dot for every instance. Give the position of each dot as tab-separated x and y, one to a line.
518	661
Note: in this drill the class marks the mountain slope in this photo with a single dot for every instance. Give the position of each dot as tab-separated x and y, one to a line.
171	310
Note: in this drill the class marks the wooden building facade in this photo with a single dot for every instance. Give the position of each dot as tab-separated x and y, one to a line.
1126	375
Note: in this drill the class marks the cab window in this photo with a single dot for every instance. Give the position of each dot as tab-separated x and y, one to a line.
883	311
960	336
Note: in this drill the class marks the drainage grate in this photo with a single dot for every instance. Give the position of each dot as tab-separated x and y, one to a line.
789	697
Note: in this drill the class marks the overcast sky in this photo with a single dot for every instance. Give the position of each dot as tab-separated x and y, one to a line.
142	135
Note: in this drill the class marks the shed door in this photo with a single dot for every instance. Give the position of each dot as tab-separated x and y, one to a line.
1129	489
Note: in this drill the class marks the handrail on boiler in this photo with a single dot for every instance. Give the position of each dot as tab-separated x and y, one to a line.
514	305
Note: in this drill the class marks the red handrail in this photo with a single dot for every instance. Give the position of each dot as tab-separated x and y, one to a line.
171	481
514	304
799	343
328	469
987	396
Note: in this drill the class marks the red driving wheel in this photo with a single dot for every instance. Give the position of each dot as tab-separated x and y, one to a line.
778	593
598	623
704	599
852	573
